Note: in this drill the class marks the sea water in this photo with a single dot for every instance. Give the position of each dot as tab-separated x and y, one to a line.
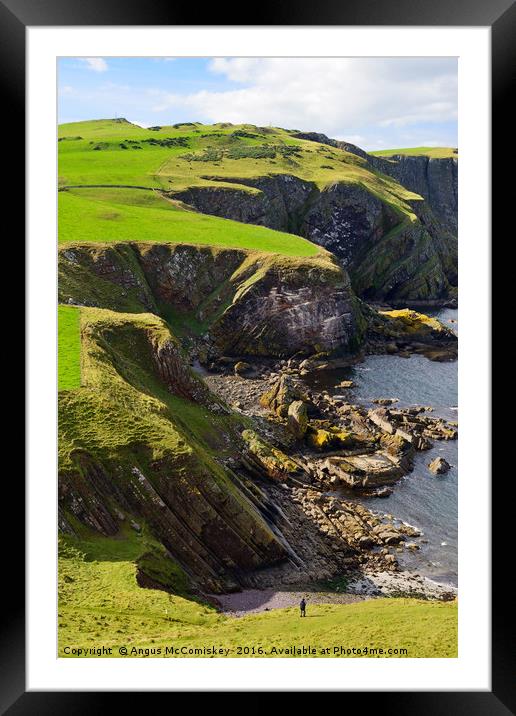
421	499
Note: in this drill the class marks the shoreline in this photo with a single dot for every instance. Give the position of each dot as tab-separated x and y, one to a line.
364	586
406	582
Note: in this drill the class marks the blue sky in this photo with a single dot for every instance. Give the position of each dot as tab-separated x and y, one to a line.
374	102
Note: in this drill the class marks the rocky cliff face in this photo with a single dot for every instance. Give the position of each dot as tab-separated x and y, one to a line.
286	312
387	255
436	180
248	303
277	201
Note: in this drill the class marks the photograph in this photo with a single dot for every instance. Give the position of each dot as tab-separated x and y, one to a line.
257	419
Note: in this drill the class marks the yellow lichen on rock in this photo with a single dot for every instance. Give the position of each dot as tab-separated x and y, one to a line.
318	438
325	438
414	322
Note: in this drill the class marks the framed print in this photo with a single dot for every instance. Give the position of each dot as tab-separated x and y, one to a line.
247	247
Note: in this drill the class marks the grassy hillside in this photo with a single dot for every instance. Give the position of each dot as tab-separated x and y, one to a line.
122	404
69	347
116	152
432	152
109	214
101	604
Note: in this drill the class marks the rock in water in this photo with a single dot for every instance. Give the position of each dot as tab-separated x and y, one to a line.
439	466
297	418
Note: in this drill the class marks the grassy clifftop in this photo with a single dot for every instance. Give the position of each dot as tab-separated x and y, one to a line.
112	215
185	183
431	152
177	157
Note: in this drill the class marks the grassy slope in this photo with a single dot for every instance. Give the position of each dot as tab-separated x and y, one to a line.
69	347
101	604
432	152
123	411
105	215
174	167
125	416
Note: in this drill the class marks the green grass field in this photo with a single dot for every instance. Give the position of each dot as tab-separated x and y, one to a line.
69	347
101	604
432	152
104	215
173	158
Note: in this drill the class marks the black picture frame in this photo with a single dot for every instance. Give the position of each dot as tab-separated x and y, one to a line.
15	17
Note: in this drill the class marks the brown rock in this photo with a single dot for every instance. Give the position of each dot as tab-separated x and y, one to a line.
345	384
297	418
439	466
280	395
242	368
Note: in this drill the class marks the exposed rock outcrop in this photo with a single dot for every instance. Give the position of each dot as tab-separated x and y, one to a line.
436	180
250	303
405	331
386	254
277	201
297	418
282	393
412	426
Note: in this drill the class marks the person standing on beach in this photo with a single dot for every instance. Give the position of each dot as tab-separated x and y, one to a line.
302	607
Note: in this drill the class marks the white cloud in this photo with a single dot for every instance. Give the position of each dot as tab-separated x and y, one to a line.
339	96
372	102
353	138
238	69
97	64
